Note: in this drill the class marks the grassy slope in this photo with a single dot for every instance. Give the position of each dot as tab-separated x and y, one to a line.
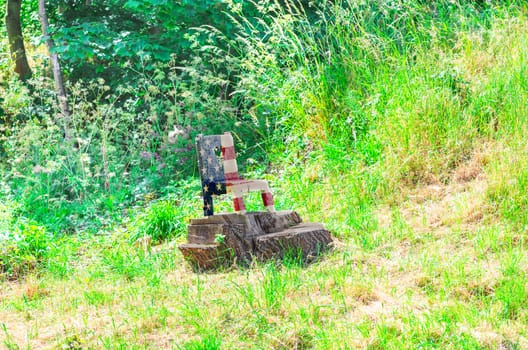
431	238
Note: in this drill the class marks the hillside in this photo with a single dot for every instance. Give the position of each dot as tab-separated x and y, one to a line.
401	125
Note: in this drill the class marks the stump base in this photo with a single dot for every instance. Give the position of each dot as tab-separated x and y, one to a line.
222	239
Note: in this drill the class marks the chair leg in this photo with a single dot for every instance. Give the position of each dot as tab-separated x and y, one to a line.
238	202
208	205
267	199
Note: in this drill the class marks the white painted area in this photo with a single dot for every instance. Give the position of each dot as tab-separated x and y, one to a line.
227	140
230	166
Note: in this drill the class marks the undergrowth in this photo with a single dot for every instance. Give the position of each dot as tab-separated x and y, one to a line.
24	249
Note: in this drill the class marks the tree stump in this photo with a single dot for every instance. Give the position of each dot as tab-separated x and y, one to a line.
223	239
307	238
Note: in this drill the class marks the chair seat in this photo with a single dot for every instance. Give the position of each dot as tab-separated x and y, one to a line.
246	185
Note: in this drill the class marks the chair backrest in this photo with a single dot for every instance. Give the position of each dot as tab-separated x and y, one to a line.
229	157
216	159
210	164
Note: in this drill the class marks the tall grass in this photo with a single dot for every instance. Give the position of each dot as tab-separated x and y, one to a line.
366	99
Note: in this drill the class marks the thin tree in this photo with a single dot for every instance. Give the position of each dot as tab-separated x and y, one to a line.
16	40
56	68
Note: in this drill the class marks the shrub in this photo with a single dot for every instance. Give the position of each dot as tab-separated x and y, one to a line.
23	249
119	151
160	222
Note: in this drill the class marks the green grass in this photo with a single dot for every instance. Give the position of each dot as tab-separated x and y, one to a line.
160	222
435	293
402	128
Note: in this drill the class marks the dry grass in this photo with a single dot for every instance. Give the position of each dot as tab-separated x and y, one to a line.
372	297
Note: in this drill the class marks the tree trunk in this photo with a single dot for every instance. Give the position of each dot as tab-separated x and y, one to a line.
16	40
57	72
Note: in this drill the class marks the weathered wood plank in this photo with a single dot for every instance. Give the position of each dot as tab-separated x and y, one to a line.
309	238
236	238
206	256
224	218
259	222
217	240
204	234
267	222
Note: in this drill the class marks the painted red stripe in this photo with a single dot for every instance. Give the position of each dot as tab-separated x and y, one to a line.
267	198
231	176
229	153
239	204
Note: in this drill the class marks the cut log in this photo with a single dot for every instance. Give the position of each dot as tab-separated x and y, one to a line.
206	256
204	234
308	238
267	222
236	238
257	222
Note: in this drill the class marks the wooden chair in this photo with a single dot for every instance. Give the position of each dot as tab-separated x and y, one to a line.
219	173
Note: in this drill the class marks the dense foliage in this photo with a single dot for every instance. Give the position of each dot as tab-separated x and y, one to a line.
287	78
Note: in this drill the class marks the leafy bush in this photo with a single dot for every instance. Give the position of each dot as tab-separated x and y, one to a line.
120	149
160	222
23	249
